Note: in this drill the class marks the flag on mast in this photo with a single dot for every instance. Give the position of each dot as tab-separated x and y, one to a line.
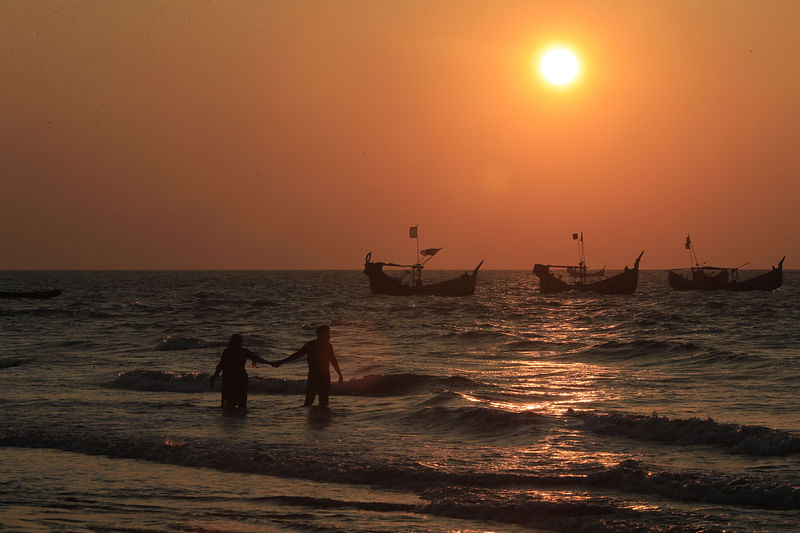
688	243
429	251
412	232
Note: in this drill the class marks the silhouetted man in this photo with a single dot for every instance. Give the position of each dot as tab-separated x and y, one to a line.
320	356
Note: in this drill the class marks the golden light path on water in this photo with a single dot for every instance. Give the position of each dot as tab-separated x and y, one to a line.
561	385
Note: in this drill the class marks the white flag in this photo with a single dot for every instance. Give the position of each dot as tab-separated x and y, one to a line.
429	251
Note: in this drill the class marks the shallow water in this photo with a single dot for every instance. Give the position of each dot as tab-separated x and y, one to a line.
504	411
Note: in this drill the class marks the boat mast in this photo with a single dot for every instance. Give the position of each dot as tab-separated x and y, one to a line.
581	258
416	270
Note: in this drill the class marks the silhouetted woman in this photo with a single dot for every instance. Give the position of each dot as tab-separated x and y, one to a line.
234	376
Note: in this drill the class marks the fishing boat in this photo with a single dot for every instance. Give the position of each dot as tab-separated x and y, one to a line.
382	283
709	278
34	295
563	278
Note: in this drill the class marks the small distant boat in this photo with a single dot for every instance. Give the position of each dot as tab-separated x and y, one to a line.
382	283
33	295
709	278
551	277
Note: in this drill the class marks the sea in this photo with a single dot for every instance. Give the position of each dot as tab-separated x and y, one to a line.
508	410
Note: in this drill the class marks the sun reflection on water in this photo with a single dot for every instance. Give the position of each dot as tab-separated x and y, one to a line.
546	386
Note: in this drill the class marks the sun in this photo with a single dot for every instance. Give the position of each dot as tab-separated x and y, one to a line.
559	66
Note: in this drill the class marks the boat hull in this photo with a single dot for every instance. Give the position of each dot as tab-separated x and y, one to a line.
622	283
701	281
382	283
33	295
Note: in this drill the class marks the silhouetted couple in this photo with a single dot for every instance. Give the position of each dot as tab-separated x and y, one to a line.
319	353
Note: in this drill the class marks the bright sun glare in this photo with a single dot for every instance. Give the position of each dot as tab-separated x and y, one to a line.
559	66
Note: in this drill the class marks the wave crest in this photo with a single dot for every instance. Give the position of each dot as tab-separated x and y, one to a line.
476	419
734	438
638	348
161	381
435	483
399	384
180	342
746	491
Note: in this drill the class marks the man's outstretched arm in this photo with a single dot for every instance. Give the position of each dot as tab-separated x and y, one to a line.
296	355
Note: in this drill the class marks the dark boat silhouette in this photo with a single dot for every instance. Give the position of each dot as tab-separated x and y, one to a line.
34	295
709	278
563	278
382	283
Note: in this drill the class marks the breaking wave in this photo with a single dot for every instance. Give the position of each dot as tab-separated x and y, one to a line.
399	384
180	342
475	419
745	490
733	438
161	381
638	348
431	481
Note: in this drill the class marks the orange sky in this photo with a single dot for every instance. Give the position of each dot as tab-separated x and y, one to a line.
304	134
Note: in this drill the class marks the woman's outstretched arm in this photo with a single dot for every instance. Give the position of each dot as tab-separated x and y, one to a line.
296	355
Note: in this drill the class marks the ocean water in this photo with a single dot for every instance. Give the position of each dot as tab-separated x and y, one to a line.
504	411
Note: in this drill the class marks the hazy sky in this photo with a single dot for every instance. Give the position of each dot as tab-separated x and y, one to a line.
303	134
